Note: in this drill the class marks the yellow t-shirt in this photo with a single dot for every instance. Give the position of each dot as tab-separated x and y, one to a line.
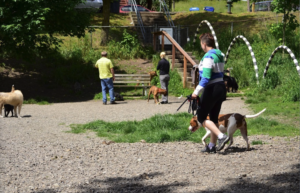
104	65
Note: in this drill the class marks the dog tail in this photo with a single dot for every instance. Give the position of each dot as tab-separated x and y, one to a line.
12	88
252	116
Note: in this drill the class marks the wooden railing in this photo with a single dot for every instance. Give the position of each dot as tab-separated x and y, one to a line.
186	57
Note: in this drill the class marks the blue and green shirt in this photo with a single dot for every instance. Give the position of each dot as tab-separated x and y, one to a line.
211	69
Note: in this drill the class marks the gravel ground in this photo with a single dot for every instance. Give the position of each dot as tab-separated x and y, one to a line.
37	155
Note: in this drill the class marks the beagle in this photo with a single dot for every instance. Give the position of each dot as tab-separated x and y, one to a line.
227	123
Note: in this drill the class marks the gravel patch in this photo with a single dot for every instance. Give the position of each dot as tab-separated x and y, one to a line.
37	155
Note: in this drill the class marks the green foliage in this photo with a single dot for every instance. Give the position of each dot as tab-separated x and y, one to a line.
289	22
271	81
176	85
98	96
291	89
28	27
128	48
277	31
70	66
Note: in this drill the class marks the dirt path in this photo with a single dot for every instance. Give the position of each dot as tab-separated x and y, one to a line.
37	155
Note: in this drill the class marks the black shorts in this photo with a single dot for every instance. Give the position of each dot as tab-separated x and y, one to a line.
211	101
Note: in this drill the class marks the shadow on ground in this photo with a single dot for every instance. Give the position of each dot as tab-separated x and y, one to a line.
284	182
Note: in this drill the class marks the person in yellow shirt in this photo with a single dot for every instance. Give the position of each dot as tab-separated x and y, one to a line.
107	76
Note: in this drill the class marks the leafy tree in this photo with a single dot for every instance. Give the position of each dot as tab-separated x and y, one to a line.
28	26
289	22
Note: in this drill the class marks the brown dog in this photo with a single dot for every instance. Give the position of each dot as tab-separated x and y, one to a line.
155	91
14	98
227	123
152	75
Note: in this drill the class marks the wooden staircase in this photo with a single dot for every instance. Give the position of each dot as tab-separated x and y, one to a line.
178	65
152	18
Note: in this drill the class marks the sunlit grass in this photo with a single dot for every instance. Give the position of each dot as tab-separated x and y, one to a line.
173	127
219	6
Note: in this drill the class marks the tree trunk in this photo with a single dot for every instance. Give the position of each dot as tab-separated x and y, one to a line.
106	14
149	4
248	5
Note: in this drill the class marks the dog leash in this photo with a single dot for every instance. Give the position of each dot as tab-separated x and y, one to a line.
193	106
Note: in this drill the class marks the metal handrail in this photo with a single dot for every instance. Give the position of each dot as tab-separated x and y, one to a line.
166	11
139	18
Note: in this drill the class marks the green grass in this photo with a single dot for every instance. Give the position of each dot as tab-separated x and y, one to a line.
157	129
37	100
173	127
219	6
259	142
263	126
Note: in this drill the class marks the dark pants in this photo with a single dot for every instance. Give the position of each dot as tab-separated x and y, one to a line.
211	101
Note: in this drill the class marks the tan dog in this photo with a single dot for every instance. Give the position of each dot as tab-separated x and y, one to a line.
152	75
155	91
14	98
227	123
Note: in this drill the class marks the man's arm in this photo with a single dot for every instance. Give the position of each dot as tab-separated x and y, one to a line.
113	73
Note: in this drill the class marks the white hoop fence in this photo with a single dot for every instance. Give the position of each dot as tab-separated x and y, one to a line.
291	54
251	52
212	32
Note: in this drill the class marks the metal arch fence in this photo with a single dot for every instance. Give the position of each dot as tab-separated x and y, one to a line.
273	54
211	29
251	52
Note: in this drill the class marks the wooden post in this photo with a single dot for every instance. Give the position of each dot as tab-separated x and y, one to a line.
184	71
162	42
173	56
